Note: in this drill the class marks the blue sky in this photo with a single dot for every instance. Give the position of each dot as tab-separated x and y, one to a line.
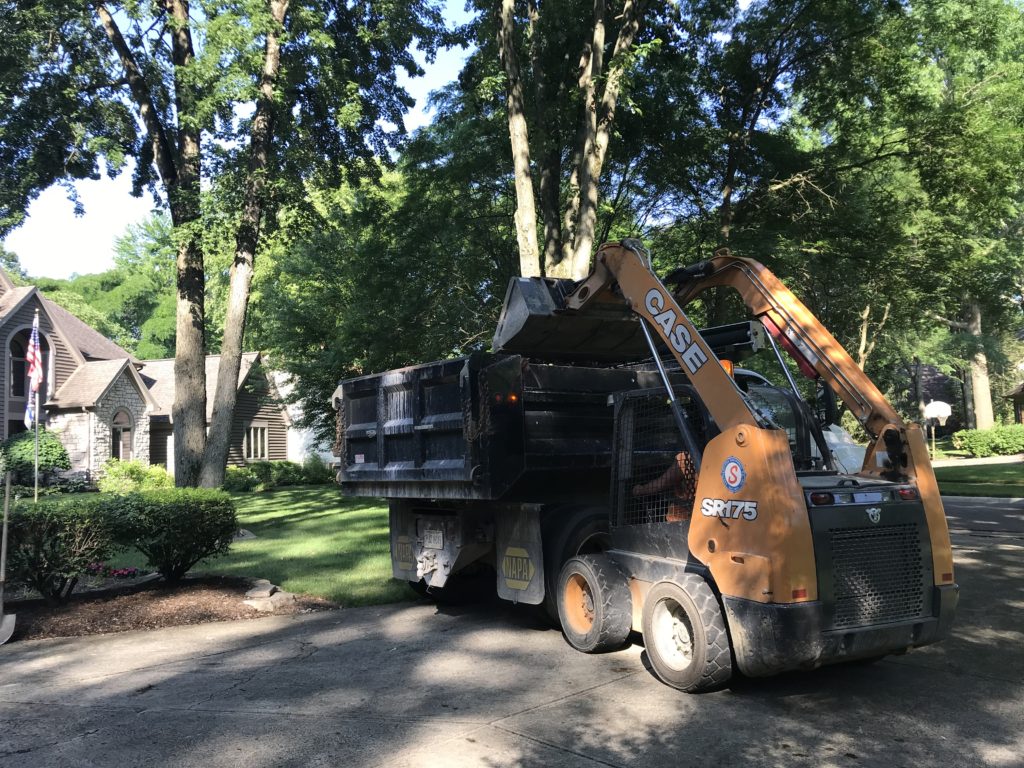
53	242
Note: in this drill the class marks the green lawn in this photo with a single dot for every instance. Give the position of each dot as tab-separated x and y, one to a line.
982	480
313	540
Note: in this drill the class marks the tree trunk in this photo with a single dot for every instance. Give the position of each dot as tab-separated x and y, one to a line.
981	388
604	116
526	211
550	169
246	243
188	413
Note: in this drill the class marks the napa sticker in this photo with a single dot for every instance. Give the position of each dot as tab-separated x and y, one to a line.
517	568
732	509
733	474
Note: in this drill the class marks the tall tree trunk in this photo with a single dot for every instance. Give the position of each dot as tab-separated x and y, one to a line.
598	149
550	168
981	388
246	243
188	413
526	211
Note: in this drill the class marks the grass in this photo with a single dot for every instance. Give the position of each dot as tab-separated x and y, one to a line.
1004	480
312	540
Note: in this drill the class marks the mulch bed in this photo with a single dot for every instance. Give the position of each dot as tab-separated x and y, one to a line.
196	600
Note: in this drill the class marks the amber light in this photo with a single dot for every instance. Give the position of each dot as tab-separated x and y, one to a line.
821	497
799	594
908	494
513	398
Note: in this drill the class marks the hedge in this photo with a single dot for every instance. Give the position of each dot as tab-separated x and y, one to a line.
175	528
265	475
131	476
54	541
19	453
998	441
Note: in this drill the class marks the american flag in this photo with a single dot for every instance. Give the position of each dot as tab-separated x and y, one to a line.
34	359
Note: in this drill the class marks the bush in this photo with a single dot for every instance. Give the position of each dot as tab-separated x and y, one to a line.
286	473
239	479
53	542
19	454
316	470
998	441
131	476
175	528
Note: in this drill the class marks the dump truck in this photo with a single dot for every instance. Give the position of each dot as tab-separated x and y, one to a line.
634	474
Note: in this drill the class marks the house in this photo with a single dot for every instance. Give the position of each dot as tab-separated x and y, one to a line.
103	403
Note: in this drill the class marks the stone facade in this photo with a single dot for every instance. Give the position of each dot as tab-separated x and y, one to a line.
73	429
122	396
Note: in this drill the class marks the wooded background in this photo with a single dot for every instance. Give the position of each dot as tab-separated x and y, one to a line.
870	153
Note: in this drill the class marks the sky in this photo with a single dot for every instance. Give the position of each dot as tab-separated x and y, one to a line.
53	242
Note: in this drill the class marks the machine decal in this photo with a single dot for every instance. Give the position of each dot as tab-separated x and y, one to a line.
733	509
517	568
677	333
733	474
403	553
874	514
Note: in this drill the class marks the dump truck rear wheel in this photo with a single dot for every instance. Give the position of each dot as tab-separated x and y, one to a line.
567	533
594	604
685	635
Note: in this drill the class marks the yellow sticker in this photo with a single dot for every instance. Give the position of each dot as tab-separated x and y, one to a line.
403	553
517	568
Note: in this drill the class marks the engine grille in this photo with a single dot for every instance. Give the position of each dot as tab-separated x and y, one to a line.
877	574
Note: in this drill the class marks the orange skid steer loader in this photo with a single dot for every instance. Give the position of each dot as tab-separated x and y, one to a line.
632	473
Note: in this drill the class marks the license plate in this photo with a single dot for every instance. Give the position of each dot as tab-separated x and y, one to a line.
867	497
433	538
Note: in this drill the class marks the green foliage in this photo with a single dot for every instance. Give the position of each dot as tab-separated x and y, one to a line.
998	441
122	477
266	475
53	541
19	453
175	528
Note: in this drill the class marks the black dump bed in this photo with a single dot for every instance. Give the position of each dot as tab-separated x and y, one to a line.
480	427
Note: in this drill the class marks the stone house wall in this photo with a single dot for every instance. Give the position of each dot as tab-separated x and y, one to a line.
72	428
123	395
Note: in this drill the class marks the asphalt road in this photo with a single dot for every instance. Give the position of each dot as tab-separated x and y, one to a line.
412	685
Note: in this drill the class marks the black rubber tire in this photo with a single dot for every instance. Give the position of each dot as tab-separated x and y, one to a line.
595	607
569	532
699	660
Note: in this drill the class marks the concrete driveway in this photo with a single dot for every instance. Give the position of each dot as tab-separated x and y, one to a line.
413	685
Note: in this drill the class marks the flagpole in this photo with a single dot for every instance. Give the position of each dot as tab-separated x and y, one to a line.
36	497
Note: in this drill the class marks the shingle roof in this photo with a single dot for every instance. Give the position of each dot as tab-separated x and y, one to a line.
158	375
13	298
87	384
90	343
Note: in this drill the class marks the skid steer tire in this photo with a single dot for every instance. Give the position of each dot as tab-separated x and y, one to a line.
685	635
594	604
569	532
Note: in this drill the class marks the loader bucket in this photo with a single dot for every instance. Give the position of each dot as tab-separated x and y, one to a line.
535	323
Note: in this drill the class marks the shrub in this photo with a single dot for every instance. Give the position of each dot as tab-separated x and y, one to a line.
53	542
998	441
175	528
286	473
131	476
263	471
239	479
316	470
19	454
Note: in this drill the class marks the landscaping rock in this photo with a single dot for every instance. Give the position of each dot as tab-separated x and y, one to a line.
261	588
277	601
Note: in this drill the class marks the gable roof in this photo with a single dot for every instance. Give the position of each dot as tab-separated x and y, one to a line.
158	375
89	342
92	380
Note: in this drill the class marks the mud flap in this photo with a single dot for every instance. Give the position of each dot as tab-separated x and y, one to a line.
520	556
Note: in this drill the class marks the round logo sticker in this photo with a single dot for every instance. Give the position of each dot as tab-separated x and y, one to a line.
733	474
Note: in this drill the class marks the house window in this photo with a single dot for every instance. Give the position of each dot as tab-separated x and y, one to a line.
255	443
121	436
19	385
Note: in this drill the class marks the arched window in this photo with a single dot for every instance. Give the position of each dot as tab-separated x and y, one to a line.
19	373
121	436
19	386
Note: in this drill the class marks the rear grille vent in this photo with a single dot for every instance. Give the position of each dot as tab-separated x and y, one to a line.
877	574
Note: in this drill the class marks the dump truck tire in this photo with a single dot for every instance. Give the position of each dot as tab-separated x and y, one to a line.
594	604
685	635
569	532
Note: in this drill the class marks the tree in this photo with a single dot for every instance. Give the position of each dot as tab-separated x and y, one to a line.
184	73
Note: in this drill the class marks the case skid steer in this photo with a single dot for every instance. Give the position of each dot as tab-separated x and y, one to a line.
632	473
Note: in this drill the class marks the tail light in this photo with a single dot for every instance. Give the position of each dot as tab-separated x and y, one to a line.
820	498
908	494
